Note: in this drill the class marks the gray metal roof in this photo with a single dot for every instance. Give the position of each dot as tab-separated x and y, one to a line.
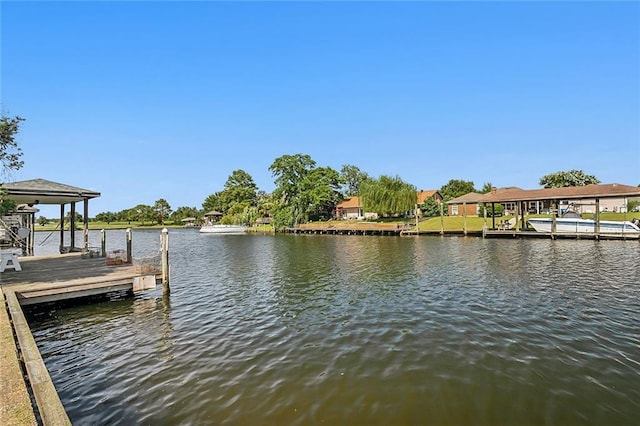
42	191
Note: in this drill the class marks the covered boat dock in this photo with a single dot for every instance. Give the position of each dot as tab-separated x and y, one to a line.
30	193
550	199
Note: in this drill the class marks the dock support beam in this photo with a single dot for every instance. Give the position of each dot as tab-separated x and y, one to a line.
129	254
464	215
61	228
103	243
164	253
72	228
85	228
597	228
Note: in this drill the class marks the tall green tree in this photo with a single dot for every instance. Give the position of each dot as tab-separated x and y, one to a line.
107	217
430	208
388	195
10	155
10	152
162	210
456	188
568	178
212	202
353	178
321	191
239	192
264	203
183	212
289	172
303	191
143	213
486	188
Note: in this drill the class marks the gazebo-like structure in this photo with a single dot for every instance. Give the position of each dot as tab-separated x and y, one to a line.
35	192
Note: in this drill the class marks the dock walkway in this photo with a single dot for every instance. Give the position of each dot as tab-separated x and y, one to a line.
48	279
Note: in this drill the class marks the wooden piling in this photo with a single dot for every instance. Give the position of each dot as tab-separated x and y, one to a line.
464	215
129	254
164	244
103	243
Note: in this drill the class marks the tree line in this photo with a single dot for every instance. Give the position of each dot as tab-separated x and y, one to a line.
307	192
304	191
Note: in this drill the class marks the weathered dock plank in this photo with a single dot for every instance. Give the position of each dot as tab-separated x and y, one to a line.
47	279
50	407
15	403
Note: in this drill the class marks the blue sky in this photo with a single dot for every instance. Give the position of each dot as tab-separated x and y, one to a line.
149	100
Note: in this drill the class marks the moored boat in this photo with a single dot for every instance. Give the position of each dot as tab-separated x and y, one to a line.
578	225
223	229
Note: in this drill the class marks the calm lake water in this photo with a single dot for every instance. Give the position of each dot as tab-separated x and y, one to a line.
303	329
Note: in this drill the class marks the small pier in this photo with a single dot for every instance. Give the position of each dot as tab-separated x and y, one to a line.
56	278
349	228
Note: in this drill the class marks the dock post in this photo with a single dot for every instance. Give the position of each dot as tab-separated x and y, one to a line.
484	223
464	214
103	243
441	218
61	228
129	254
164	248
597	217
554	212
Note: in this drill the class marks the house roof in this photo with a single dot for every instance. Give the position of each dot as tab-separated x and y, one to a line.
471	197
610	190
349	203
42	191
429	193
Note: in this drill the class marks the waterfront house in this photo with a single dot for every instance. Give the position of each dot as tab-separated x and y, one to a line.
593	198
466	204
424	195
351	209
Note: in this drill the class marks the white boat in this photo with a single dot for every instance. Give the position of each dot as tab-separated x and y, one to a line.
223	229
578	225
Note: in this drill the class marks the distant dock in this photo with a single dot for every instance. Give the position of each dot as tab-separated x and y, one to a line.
398	229
349	228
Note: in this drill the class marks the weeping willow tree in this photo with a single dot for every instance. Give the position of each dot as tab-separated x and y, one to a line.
388	196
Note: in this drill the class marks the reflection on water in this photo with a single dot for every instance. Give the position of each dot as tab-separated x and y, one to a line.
360	330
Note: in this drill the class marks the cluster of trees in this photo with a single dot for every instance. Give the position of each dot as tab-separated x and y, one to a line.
158	213
304	191
10	154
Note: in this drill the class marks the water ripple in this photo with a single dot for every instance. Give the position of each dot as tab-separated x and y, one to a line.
360	330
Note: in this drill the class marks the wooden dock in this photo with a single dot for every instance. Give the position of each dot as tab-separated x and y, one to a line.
396	229
46	279
560	235
349	228
68	276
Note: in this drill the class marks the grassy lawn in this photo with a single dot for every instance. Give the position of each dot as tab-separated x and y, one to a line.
456	223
